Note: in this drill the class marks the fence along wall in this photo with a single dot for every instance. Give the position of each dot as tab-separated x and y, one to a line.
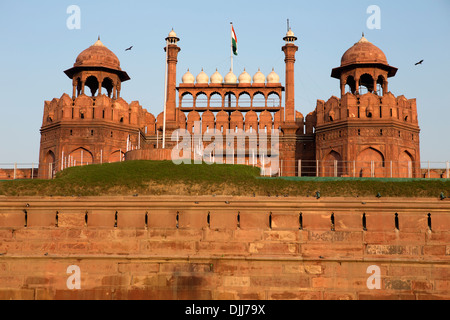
224	248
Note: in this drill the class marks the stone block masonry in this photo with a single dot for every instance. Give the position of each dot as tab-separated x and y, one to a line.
224	248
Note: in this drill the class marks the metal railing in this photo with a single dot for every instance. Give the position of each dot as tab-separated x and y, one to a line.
268	167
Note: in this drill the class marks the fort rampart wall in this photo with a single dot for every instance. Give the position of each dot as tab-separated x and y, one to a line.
224	248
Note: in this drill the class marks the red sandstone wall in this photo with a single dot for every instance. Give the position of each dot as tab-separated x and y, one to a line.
206	248
8	174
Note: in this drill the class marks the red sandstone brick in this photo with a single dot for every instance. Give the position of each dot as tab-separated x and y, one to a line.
116	280
286	281
101	218
162	218
440	222
195	219
221	248
408	270
247	267
339	296
388	237
348	221
442	286
185	267
130	219
254	220
269	248
422	286
168	248
434	250
71	218
385	296
316	221
294	295
223	219
332	251
41	218
336	236
17	294
138	268
281	235
413	222
219	235
12	219
174	234
285	221
380	221
6	234
248	235
66	294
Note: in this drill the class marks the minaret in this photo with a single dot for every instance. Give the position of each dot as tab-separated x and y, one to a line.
172	53
289	50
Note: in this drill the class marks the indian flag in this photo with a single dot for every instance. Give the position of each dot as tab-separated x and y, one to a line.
233	41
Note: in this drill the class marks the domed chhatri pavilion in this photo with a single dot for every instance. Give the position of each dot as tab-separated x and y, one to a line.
367	132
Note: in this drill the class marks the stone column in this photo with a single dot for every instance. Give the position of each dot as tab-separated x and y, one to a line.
289	50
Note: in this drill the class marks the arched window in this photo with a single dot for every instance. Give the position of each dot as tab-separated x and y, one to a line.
108	85
92	84
245	100
273	100
201	100
215	100
380	85
259	100
230	100
366	84
187	100
350	85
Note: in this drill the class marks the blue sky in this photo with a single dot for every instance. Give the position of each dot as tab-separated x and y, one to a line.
36	47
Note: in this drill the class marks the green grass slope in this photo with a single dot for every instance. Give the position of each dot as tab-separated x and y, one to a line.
166	178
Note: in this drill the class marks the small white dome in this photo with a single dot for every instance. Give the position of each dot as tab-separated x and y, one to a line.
172	34
259	77
188	77
230	78
202	78
245	77
216	77
273	77
290	33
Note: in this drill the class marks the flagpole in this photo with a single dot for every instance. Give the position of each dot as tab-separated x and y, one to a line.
165	98
231	45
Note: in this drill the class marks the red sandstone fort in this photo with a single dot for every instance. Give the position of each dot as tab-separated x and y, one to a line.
366	132
161	247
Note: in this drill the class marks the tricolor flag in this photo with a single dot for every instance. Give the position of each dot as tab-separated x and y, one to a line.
233	41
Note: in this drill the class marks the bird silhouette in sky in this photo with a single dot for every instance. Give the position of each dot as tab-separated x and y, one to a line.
420	62
127	49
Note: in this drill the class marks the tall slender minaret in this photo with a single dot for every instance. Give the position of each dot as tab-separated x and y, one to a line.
289	50
172	54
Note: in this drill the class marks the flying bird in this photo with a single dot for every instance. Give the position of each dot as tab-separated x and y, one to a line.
127	49
420	62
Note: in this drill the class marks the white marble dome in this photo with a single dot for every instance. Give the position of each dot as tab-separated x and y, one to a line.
172	34
230	78
273	77
188	78
259	77
202	78
216	77
245	77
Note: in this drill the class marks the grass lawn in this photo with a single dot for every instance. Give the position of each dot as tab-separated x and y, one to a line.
166	178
